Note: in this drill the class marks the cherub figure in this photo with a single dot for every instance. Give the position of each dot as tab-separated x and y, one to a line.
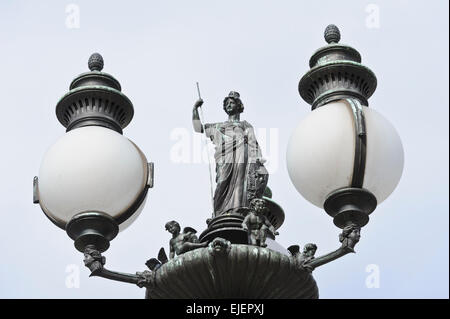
182	242
308	252
256	223
306	256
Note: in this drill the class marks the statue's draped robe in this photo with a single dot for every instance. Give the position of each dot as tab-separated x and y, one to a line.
239	176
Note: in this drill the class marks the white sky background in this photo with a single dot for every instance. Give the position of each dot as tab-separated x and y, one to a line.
158	50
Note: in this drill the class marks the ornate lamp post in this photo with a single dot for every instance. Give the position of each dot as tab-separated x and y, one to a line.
344	157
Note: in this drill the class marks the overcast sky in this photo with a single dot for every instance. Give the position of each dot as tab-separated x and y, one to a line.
158	50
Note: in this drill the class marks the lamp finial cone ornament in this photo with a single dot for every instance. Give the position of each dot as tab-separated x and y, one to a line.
332	34
95	62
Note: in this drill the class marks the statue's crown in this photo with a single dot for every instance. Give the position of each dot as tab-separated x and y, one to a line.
234	95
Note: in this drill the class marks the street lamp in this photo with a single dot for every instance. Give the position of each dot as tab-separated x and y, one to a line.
344	157
93	181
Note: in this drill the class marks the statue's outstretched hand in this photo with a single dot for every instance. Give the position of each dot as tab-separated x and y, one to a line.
273	231
198	103
261	161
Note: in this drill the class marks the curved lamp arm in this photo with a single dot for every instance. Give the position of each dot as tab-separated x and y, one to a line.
349	238
94	260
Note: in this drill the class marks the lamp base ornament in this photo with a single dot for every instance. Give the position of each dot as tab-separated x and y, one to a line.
350	206
92	229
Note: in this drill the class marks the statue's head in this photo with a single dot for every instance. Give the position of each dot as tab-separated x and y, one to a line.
91	255
309	250
232	104
352	233
173	227
258	205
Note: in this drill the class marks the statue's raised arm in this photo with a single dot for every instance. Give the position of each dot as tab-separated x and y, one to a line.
196	122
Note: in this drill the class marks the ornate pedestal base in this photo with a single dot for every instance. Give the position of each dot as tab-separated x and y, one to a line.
225	270
227	226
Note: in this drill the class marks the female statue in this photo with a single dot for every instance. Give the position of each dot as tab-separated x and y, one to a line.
240	173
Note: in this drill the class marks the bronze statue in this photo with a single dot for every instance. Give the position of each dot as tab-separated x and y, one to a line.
240	173
256	223
182	242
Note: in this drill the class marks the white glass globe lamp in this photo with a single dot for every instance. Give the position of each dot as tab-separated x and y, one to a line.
344	156
93	181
